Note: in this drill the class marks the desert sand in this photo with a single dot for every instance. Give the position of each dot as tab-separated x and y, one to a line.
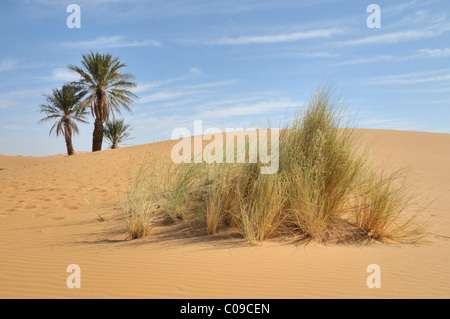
45	225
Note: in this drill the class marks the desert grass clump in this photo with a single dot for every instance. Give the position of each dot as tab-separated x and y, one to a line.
380	208
238	196
320	166
218	199
139	203
330	180
181	184
326	188
261	208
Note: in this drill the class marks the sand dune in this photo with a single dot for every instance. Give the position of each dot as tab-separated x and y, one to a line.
45	225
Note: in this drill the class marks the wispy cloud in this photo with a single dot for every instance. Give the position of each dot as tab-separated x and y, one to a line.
63	74
294	54
435	53
222	112
144	87
279	38
166	96
6	103
391	124
367	60
20	98
195	71
183	91
441	90
412	78
8	64
212	84
394	37
319	55
419	54
60	74
262	107
12	127
417	17
399	8
111	42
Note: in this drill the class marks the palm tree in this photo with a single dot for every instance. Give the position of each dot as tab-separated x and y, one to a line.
116	131
63	105
106	89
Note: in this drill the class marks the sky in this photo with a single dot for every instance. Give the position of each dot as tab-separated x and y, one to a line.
229	63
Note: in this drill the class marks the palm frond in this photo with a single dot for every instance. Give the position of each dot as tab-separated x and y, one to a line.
104	86
117	132
64	105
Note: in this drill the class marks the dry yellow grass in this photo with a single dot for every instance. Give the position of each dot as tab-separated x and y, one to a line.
139	203
325	185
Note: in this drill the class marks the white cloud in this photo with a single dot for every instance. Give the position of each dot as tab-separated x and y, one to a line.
391	124
64	75
445	101
399	8
20	98
320	55
182	91
247	109
366	60
418	18
6	103
394	37
435	53
295	54
111	42
8	64
212	84
412	78
165	96
278	38
185	101
143	87
422	53
441	90
195	71
12	127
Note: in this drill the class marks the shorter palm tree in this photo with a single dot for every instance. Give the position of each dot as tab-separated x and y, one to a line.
116	131
63	106
107	90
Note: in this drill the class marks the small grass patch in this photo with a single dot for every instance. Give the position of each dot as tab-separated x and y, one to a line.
138	206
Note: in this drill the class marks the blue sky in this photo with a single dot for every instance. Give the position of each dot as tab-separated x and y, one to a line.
230	63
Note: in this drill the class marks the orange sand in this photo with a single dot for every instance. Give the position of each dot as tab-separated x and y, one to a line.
45	225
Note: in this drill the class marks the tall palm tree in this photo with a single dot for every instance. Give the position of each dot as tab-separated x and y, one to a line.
63	105
116	131
106	88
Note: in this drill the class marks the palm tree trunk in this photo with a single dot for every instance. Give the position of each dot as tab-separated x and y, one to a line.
97	136
68	136
114	145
